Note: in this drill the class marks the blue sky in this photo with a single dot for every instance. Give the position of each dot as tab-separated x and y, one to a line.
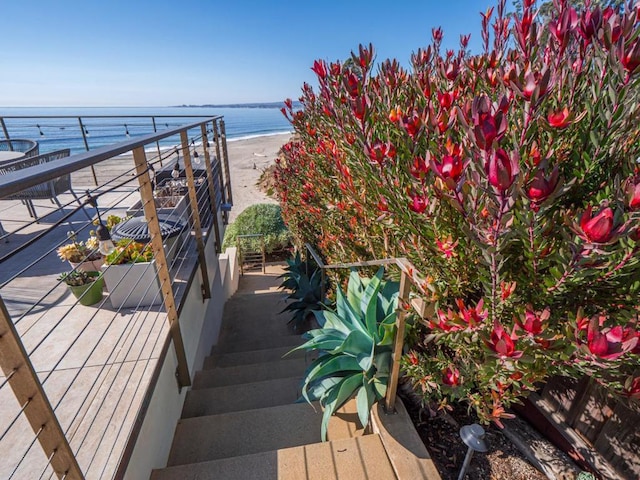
161	52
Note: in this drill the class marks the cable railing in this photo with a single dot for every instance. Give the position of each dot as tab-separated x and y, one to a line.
79	368
409	277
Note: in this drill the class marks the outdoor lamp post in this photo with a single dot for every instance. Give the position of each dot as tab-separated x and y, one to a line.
473	437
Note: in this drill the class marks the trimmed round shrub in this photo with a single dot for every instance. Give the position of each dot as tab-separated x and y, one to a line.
262	218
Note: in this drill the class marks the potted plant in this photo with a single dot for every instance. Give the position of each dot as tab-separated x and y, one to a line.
82	256
130	275
85	286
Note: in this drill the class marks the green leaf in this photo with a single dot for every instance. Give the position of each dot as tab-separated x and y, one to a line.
356	344
365	399
369	303
354	289
346	313
344	390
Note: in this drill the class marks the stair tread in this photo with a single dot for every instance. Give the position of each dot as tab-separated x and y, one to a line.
245	396
223	376
212	437
357	458
248	357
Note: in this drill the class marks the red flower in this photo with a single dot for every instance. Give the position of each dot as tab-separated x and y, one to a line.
560	119
413	358
541	187
534	322
419	168
507	289
320	68
472	316
634	196
630	56
590	23
487	126
411	124
379	152
353	84
611	342
599	228
502	343
501	170
632	387
449	169
451	376
418	203
446	99
383	205
437	34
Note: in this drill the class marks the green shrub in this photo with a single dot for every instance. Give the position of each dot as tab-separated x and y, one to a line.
262	218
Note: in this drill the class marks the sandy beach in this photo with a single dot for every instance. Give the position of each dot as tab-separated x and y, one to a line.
248	158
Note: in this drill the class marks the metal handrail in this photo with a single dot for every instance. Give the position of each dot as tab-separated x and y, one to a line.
14	182
409	275
15	360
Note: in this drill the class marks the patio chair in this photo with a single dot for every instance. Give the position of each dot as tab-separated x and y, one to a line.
47	190
30	148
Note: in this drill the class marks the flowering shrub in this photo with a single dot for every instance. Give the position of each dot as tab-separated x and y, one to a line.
510	180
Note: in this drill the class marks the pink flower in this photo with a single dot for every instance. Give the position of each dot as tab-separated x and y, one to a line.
502	343
501	170
611	342
418	203
630	56
598	228
447	246
419	168
451	376
472	316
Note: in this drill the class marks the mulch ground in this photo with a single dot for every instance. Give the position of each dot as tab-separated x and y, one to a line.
441	436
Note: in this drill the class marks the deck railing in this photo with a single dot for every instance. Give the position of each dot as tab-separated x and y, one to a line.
79	376
409	276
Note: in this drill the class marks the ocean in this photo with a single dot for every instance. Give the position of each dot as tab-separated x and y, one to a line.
56	133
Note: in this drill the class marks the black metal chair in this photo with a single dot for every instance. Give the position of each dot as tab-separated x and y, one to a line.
47	190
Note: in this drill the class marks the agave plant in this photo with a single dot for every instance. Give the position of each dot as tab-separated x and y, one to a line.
306	290
307	296
355	341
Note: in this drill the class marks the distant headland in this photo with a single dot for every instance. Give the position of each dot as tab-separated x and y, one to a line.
240	105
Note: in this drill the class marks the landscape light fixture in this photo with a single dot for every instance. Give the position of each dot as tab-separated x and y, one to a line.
196	158
473	437
105	244
175	173
152	175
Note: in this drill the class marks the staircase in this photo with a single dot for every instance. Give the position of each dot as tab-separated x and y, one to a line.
240	421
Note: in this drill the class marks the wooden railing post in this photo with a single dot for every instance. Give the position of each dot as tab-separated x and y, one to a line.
26	386
225	155
197	225
401	313
212	191
146	194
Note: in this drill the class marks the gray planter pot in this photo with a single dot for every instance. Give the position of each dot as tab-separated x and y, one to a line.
132	284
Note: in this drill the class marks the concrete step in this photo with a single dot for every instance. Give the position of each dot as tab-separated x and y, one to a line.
246	396
212	437
219	358
360	458
257	340
222	377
